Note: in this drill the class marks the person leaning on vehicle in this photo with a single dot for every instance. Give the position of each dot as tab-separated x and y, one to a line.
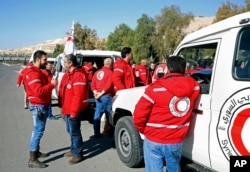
123	74
38	91
73	98
103	89
163	115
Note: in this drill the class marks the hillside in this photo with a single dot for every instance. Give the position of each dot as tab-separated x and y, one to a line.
49	45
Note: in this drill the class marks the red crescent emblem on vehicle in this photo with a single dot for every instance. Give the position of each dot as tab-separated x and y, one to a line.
236	131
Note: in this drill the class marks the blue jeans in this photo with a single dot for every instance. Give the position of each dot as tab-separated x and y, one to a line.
39	123
103	105
73	127
156	153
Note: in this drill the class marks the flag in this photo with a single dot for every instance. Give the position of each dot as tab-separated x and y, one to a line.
70	45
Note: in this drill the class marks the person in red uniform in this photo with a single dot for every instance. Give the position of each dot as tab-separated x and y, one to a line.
38	91
73	98
142	74
20	81
103	89
48	73
89	68
123	74
163	115
151	71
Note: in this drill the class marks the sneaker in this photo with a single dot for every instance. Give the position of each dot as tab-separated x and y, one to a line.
75	160
68	154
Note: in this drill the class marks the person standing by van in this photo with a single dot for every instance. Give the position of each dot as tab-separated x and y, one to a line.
48	73
73	98
39	94
20	81
163	115
123	74
103	89
142	73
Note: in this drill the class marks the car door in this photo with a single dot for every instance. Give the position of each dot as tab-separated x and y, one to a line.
196	145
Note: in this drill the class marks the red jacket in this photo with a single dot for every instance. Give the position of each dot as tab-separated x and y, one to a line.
73	92
48	74
21	72
102	80
38	89
163	112
142	75
89	69
123	75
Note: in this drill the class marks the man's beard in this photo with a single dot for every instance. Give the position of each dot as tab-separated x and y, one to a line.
43	66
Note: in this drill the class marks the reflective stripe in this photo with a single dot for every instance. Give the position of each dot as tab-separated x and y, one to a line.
32	97
79	83
159	89
166	126
86	100
117	69
148	98
33	81
86	67
143	73
196	88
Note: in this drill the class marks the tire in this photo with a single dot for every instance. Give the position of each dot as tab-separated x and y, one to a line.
129	144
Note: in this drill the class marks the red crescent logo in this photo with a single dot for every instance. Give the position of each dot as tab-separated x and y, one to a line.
236	131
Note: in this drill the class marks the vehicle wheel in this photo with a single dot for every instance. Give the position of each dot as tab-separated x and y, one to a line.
129	144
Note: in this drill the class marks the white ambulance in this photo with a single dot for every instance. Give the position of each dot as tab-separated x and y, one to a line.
220	122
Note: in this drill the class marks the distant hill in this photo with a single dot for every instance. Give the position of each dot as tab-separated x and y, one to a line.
49	45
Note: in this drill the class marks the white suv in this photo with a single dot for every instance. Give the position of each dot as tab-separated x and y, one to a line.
220	124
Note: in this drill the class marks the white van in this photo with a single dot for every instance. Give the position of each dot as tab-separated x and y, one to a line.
95	56
220	122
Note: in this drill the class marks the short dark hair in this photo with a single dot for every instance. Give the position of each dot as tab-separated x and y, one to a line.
209	62
176	64
38	54
125	50
71	58
202	63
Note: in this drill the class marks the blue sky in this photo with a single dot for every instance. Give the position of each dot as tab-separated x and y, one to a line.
29	22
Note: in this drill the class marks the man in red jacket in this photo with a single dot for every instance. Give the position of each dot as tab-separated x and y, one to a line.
39	94
163	115
48	73
142	74
123	74
20	81
103	89
73	98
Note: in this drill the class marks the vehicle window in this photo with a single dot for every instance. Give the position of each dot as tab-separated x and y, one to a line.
200	60
242	63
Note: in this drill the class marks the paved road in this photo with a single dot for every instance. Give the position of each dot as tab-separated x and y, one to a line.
15	132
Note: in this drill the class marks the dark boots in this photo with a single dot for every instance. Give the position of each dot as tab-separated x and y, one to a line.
41	155
34	162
